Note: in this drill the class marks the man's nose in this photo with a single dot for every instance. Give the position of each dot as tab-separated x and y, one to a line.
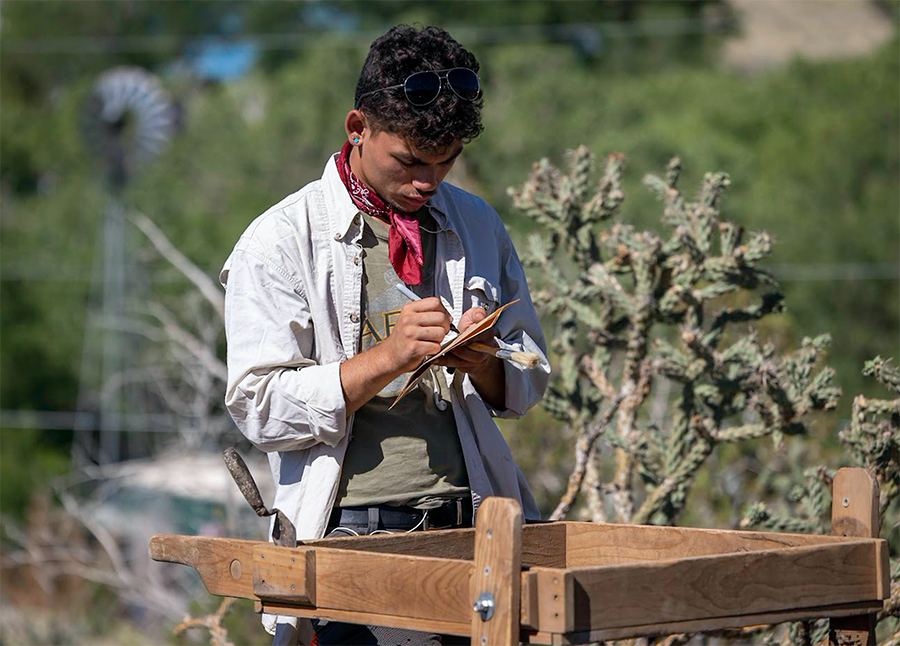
425	179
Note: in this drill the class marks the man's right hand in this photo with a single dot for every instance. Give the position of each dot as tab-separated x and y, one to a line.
418	331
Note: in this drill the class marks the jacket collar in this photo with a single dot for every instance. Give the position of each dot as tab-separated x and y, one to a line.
344	211
341	208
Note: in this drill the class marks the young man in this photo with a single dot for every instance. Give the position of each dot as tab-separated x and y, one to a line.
320	338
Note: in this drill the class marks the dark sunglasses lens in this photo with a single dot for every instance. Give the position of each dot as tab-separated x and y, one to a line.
422	88
464	82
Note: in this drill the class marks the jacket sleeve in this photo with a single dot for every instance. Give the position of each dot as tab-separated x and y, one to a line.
519	330
278	396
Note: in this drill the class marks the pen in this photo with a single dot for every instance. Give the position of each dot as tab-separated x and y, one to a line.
526	359
411	295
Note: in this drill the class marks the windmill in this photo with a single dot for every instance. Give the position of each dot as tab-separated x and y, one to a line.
126	121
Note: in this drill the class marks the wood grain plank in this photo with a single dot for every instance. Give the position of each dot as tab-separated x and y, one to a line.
389	584
546	598
539	637
528	595
726	585
442	543
854	504
698	625
556	606
286	574
354	617
611	544
393	584
497	571
225	565
855	512
543	544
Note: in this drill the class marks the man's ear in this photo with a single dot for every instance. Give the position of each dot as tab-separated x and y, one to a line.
356	126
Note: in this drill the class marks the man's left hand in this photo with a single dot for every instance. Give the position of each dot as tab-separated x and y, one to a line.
466	359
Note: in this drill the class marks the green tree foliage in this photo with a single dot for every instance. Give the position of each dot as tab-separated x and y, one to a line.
28	463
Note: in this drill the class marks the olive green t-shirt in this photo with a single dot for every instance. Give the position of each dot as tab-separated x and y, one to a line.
410	455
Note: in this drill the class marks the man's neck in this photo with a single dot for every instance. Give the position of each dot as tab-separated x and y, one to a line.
356	169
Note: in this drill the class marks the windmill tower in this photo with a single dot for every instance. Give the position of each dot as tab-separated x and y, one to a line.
126	121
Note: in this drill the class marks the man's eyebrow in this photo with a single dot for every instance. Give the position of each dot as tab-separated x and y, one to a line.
412	159
453	156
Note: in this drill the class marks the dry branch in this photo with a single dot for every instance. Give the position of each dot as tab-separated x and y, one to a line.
206	286
218	634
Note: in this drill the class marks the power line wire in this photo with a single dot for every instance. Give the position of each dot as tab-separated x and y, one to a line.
67	420
787	272
836	271
590	33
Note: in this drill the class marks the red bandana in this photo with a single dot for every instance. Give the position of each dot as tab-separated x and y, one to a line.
404	240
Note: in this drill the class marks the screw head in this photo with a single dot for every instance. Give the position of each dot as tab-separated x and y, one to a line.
236	569
845	501
484	605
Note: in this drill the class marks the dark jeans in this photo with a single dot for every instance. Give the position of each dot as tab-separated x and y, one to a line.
334	632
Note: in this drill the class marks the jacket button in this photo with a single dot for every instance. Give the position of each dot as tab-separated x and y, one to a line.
337	236
354	317
355	260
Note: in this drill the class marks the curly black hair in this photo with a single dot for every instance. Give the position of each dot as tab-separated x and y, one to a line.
394	56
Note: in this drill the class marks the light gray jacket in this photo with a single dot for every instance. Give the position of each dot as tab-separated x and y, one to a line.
292	314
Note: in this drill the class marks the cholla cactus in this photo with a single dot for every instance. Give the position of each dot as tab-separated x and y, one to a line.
632	309
874	433
873	440
810	507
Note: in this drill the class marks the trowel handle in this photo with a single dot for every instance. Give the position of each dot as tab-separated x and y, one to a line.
244	480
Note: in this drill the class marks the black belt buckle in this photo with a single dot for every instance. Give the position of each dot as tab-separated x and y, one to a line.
458	503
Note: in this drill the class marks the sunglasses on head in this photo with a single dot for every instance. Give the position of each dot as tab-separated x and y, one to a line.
422	88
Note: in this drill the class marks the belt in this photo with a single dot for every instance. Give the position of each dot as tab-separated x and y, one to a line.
453	513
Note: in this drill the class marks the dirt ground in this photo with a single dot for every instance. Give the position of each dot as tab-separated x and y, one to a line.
772	32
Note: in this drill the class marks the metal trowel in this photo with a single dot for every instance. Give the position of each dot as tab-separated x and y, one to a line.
283	533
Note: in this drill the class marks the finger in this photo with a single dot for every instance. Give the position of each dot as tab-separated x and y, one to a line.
469	355
430	304
430	318
472	316
432	333
427	347
452	361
